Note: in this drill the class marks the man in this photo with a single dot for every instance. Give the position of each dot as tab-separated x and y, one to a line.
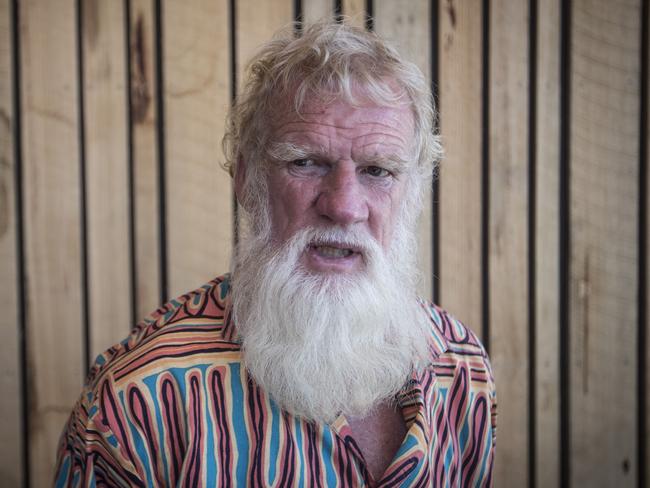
313	363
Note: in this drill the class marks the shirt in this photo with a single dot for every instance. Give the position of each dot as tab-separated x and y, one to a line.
172	405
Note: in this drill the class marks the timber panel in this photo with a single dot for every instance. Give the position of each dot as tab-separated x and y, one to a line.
604	256
460	182
52	223
11	402
314	10
356	11
256	22
158	211
196	97
145	169
546	234
508	236
107	178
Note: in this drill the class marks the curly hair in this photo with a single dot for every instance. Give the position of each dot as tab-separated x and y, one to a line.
328	61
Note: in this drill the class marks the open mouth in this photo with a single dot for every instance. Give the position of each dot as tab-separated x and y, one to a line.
333	252
334	256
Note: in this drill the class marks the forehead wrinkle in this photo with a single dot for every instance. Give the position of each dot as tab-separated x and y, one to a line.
383	151
305	135
318	134
317	121
387	137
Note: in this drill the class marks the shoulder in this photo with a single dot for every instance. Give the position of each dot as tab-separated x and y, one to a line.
183	327
183	335
461	354
457	335
463	375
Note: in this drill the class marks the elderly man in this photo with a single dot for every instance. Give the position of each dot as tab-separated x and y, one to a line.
313	363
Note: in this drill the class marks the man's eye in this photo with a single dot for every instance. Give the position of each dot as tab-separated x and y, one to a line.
376	171
302	163
306	167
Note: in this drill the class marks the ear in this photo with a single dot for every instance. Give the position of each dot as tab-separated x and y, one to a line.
240	179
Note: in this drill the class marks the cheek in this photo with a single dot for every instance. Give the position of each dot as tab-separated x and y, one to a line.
385	210
290	207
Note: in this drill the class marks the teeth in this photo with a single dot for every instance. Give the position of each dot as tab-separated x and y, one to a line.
333	252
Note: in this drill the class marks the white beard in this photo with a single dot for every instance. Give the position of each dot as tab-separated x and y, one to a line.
322	344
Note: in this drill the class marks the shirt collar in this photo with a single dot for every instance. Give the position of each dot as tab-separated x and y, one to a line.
438	343
228	332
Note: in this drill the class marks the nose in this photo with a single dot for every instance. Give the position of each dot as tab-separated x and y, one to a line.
341	199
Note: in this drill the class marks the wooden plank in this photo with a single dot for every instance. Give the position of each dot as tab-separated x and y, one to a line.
604	245
406	23
10	374
107	183
197	96
460	170
51	200
255	24
313	10
355	10
547	272
144	157
508	236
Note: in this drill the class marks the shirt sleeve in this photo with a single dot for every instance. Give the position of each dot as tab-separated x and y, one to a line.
89	452
493	423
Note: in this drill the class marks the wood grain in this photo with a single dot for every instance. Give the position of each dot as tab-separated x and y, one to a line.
604	251
51	198
508	236
146	188
107	195
313	10
355	10
10	374
604	215
547	272
255	24
460	171
406	23
197	96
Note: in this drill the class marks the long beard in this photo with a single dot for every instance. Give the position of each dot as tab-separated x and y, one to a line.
325	344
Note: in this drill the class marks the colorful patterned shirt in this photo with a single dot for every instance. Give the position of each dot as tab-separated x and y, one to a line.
172	405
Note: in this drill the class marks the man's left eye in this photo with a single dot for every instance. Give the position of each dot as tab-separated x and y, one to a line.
302	163
376	171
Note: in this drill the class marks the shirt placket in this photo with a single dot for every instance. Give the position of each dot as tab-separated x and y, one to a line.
410	459
341	428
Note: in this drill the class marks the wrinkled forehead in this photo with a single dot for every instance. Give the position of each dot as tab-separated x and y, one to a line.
372	131
320	105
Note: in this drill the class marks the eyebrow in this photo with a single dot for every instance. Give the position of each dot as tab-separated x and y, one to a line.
288	151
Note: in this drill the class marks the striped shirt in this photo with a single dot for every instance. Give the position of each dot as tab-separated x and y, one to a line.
172	405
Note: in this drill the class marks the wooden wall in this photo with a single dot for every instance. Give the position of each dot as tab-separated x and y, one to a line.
535	233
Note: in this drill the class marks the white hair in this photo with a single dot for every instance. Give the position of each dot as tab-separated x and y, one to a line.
329	61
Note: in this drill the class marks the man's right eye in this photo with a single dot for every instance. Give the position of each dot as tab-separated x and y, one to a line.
302	163
306	168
